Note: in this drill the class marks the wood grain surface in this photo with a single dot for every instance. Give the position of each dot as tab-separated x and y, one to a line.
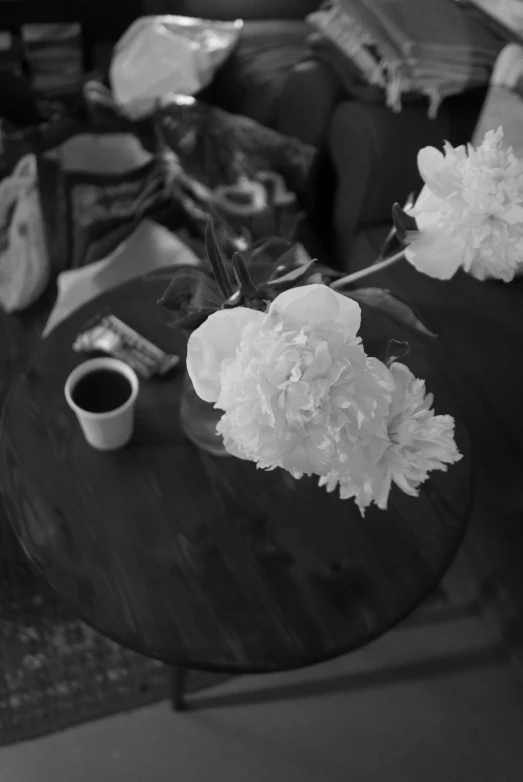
207	561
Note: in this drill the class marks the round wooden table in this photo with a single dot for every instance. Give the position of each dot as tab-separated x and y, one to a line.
206	562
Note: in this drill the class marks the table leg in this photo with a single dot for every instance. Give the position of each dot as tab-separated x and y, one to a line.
178	678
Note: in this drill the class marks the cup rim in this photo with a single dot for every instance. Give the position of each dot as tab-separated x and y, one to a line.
91	365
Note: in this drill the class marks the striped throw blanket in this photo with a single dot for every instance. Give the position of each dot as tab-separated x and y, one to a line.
433	47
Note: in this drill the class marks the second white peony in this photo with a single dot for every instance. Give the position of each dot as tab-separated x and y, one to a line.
470	212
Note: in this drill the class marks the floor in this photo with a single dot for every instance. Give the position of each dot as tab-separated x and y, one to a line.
449	713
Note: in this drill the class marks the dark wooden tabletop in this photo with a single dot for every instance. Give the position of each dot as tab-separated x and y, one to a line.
480	342
207	561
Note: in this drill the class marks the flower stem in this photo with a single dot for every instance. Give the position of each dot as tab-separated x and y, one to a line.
377	267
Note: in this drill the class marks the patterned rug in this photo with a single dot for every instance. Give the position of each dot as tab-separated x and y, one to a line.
55	672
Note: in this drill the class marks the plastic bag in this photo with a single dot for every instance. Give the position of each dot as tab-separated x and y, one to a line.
24	261
88	117
159	55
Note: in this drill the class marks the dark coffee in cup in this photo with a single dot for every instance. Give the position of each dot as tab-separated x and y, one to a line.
101	391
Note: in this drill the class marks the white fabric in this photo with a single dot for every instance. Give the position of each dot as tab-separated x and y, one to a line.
24	261
150	247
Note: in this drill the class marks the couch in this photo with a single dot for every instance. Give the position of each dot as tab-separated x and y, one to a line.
367	152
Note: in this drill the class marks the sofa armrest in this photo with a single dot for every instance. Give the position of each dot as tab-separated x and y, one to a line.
308	100
374	152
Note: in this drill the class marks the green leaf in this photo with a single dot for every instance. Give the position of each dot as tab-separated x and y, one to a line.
270	258
271	249
192	320
286	263
396	350
278	271
182	287
216	260
176	301
191	286
288	258
233	301
384	300
392	238
289	280
328	272
403	222
269	242
245	283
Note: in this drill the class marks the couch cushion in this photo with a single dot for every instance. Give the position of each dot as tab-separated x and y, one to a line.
375	152
252	79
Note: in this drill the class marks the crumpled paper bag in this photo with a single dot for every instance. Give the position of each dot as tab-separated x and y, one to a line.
24	260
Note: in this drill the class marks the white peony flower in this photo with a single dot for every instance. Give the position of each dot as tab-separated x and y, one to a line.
470	212
299	392
220	335
214	341
417	442
304	397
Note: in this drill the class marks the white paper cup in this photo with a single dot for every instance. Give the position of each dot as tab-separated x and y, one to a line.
109	430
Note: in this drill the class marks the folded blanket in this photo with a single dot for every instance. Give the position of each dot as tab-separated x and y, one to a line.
433	48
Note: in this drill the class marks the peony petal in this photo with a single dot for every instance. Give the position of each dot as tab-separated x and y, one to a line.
213	342
402	378
427	206
313	304
436	254
427	220
383	375
430	162
437	172
512	214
